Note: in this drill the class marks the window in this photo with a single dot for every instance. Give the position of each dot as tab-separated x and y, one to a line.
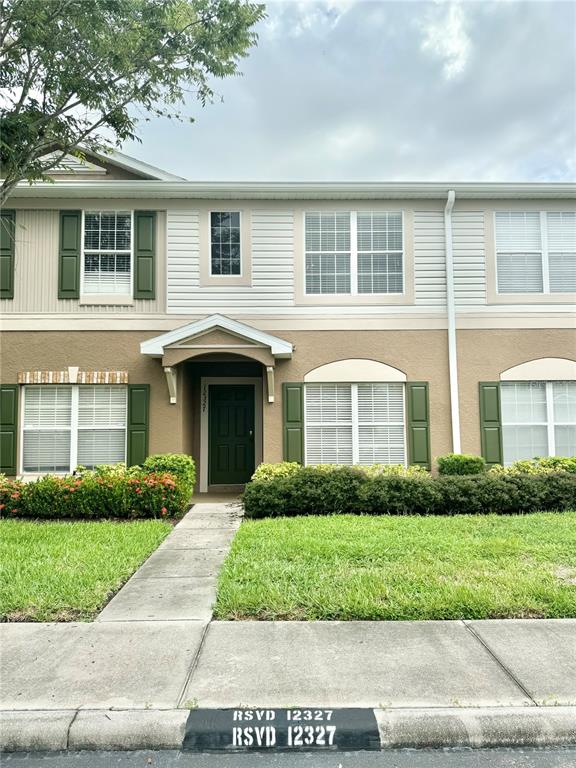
327	253
354	252
538	419
536	252
225	243
354	424
107	255
379	252
64	426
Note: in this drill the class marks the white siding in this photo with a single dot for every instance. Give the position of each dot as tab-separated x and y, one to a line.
182	250
429	258
272	235
469	257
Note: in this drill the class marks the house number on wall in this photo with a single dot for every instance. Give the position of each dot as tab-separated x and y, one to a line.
303	729
204	398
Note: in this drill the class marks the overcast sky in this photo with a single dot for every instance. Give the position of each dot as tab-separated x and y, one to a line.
375	90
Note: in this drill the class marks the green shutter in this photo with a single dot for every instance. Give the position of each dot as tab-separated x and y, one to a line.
490	422
69	261
293	412
7	240
418	412
138	403
8	427
144	254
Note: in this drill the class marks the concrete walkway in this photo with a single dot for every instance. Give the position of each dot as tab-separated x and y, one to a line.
178	582
128	679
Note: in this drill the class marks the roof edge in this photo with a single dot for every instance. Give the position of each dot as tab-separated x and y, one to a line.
177	188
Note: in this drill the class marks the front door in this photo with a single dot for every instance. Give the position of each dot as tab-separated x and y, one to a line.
230	433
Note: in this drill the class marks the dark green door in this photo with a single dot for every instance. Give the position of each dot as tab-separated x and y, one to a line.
230	433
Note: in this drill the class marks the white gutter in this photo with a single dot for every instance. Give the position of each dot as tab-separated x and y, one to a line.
291	190
451	312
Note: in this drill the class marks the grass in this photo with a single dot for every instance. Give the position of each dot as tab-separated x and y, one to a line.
67	571
353	567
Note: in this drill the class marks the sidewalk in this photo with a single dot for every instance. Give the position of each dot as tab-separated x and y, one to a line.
127	680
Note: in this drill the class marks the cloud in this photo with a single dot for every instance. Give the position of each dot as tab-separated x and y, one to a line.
353	94
445	36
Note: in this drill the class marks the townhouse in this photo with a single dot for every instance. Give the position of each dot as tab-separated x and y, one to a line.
248	322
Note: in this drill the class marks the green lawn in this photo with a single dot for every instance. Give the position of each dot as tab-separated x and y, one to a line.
67	571
352	567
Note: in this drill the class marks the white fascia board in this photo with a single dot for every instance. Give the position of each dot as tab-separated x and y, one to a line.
138	166
155	347
174	189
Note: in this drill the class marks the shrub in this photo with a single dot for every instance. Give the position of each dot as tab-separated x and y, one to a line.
178	464
324	490
105	492
415	470
399	495
332	489
461	464
538	465
271	471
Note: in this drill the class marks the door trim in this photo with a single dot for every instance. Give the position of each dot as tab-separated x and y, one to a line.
205	382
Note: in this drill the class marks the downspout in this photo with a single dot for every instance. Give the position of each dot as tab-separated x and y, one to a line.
451	312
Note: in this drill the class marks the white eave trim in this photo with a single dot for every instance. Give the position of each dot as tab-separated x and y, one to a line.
138	166
169	188
155	347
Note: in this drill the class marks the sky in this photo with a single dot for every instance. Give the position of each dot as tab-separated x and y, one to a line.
369	90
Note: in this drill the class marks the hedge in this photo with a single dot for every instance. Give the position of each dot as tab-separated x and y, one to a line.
329	490
107	491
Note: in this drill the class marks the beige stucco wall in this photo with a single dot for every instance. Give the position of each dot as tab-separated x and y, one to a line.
421	355
483	355
114	350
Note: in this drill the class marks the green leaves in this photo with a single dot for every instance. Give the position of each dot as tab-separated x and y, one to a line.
75	71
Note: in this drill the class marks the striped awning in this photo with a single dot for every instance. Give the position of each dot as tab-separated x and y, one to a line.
73	376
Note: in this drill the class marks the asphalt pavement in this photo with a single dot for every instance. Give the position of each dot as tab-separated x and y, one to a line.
477	758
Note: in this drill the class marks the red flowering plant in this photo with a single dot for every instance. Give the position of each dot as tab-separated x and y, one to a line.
107	491
10	496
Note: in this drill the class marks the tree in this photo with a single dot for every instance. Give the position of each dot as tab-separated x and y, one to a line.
76	74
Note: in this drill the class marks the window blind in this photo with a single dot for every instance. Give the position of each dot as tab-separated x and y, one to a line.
101	425
68	425
536	252
46	429
562	251
327	237
379	242
538	419
354	424
107	252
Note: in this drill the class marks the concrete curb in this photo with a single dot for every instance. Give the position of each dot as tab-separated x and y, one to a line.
36	730
477	727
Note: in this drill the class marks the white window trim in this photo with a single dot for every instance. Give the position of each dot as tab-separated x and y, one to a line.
355	421
354	254
73	429
212	274
550	424
101	298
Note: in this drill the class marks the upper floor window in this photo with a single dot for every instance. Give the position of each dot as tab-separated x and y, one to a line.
225	256
536	251
68	425
354	252
538	419
107	256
